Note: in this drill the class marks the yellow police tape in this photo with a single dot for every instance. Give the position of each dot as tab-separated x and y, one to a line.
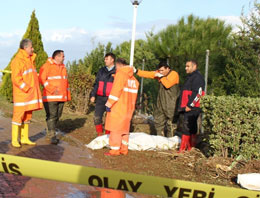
117	180
5	71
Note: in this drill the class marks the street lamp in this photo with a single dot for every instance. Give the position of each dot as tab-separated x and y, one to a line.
135	4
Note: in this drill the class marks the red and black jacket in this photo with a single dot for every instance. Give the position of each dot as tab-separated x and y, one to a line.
104	82
191	91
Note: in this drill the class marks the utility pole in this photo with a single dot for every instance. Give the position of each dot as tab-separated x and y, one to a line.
141	90
168	59
206	70
206	83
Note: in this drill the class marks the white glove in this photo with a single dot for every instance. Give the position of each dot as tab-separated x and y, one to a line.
159	75
135	70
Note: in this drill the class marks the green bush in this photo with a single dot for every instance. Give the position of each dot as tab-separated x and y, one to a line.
232	125
81	84
6	88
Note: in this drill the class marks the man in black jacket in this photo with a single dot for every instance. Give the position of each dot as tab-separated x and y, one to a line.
189	105
101	90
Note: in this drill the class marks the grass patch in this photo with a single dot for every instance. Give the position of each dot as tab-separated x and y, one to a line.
6	108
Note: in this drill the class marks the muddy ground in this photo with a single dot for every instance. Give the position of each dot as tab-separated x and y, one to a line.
190	166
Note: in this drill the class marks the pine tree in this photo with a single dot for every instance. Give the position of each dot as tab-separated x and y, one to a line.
189	39
32	33
242	74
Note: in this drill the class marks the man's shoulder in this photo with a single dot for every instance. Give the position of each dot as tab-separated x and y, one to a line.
17	60
198	74
102	69
197	77
173	73
46	65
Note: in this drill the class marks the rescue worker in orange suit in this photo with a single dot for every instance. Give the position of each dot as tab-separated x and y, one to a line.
53	77
101	90
120	108
189	105
26	92
167	96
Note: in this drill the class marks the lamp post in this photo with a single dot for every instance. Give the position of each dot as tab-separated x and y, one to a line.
206	71
141	88
135	4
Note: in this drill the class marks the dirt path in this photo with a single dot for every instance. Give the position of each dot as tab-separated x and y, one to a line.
79	130
190	166
20	186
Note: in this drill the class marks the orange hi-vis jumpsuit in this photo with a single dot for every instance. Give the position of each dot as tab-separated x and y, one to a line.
26	92
122	98
54	78
56	91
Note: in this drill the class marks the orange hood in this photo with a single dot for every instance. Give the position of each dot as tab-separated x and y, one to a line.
126	69
52	62
23	54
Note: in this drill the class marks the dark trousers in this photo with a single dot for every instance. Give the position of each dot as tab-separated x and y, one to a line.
100	109
187	122
163	123
53	113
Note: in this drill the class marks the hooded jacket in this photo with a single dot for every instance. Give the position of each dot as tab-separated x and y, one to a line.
191	91
26	91
123	98
103	83
54	79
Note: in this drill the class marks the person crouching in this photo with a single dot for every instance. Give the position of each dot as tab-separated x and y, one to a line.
120	107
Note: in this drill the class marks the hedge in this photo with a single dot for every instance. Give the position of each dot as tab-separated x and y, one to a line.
232	126
81	84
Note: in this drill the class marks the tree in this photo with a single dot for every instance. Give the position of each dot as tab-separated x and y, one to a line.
32	33
242	73
94	60
82	75
189	39
142	51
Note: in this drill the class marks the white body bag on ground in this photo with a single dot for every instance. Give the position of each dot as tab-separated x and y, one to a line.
139	142
249	181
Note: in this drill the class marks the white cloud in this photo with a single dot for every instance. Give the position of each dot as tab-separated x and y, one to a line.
9	39
10	35
111	34
76	42
234	21
63	35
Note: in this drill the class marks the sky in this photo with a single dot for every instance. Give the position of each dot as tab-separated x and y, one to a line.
78	26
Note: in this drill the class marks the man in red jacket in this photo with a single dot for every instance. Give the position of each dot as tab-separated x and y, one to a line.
101	90
53	76
120	107
189	105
